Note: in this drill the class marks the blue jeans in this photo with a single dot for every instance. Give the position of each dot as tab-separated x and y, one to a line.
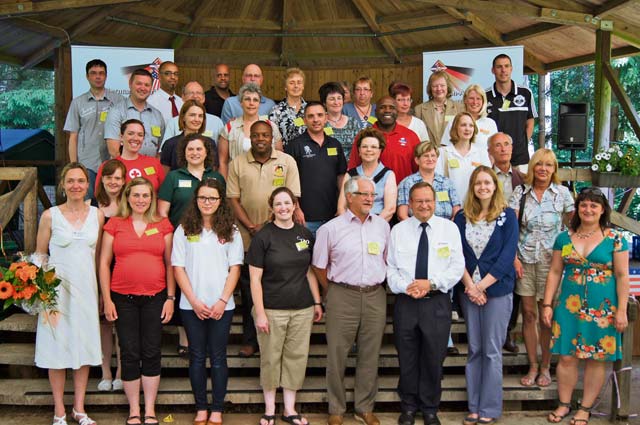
92	183
313	226
208	337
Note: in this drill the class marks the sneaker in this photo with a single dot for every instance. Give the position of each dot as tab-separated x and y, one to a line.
117	385
454	316
105	385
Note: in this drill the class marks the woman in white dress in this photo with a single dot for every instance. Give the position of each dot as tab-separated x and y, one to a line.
70	337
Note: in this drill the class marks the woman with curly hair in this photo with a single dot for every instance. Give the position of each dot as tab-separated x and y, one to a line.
207	255
592	261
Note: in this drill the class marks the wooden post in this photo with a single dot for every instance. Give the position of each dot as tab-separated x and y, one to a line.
602	113
542	130
62	78
31	218
624	378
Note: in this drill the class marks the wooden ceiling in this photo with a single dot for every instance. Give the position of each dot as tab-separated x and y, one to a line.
320	33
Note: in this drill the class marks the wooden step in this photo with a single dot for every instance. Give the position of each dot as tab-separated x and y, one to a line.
247	391
26	323
23	354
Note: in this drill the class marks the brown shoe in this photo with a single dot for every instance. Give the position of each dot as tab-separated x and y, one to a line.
247	351
334	420
366	418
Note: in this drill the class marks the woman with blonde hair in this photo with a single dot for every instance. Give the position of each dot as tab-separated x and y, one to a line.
475	103
288	114
489	232
439	110
542	205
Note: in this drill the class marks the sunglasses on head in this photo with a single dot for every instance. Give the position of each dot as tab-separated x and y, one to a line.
591	191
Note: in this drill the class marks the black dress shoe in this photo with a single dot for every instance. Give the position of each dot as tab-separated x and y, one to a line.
431	419
407	418
510	346
452	351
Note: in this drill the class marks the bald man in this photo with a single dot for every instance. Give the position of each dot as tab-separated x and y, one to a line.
219	91
231	108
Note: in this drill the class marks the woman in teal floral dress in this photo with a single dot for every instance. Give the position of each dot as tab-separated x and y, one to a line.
591	312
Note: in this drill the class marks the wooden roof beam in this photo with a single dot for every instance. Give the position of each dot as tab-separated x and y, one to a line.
31	7
203	10
402	17
369	15
530	31
612	6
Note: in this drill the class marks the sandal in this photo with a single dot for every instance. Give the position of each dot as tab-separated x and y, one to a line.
105	385
150	423
575	421
529	380
82	418
271	419
554	418
182	350
544	378
59	420
487	421
470	420
293	418
130	418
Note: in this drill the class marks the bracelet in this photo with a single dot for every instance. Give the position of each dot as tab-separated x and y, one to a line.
171	297
222	300
547	305
317	303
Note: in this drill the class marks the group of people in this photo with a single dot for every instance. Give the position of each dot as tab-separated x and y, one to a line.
324	205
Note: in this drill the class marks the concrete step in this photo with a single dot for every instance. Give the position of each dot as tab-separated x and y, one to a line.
177	391
27	324
23	354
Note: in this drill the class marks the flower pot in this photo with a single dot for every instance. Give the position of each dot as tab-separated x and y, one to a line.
614	180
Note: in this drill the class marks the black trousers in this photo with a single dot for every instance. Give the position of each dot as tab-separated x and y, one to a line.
421	330
249	336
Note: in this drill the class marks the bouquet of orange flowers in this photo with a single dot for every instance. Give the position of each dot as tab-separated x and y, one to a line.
33	288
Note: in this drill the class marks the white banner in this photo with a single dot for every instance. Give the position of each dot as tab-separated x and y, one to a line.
470	66
121	62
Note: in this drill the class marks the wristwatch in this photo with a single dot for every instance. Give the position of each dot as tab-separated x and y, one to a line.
434	287
171	297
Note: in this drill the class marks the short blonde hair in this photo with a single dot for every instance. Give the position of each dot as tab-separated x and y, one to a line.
539	156
476	88
435	75
424	147
293	71
453	134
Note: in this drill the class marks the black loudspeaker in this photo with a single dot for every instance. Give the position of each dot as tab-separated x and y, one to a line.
572	126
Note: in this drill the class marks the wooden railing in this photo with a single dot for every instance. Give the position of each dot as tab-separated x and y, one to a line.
26	192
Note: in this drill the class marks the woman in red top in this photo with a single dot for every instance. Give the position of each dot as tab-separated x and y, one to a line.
139	296
149	167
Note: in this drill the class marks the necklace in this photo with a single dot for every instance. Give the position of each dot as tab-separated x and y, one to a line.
585	235
334	121
365	115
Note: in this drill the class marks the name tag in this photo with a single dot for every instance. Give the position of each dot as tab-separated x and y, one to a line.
103	116
506	104
372	120
151	232
299	122
454	163
193	238
448	118
442	196
150	171
567	249
302	245
328	131
373	248
78	235
184	183
155	131
278	181
332	151
476	164
444	252
208	133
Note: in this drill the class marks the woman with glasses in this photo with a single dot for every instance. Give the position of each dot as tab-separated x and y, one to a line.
371	143
590	263
542	205
195	158
286	302
402	94
206	258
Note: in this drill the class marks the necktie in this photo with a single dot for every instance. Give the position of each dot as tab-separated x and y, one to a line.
174	108
422	259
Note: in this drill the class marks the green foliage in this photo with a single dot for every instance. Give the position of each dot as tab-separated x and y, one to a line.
26	98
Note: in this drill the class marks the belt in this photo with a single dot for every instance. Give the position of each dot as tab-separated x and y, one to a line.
357	288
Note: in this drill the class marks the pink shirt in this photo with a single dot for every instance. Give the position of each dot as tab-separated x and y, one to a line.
353	252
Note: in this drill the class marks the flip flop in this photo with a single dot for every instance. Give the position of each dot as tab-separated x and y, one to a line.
529	380
543	379
554	418
293	418
271	419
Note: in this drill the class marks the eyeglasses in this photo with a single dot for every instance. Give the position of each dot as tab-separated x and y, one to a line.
591	191
207	199
366	194
169	73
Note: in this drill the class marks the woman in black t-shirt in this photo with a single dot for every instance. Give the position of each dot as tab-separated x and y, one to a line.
286	302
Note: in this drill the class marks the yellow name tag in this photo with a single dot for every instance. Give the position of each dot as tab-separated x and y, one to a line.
278	181
151	232
501	185
302	245
208	133
454	163
372	120
444	252
193	238
299	122
506	104
155	131
332	151
184	183
150	171
328	131
103	116
448	118
373	248
476	164
442	196
566	250
484	131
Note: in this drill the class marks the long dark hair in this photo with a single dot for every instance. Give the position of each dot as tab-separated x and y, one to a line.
109	168
181	150
592	194
222	221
